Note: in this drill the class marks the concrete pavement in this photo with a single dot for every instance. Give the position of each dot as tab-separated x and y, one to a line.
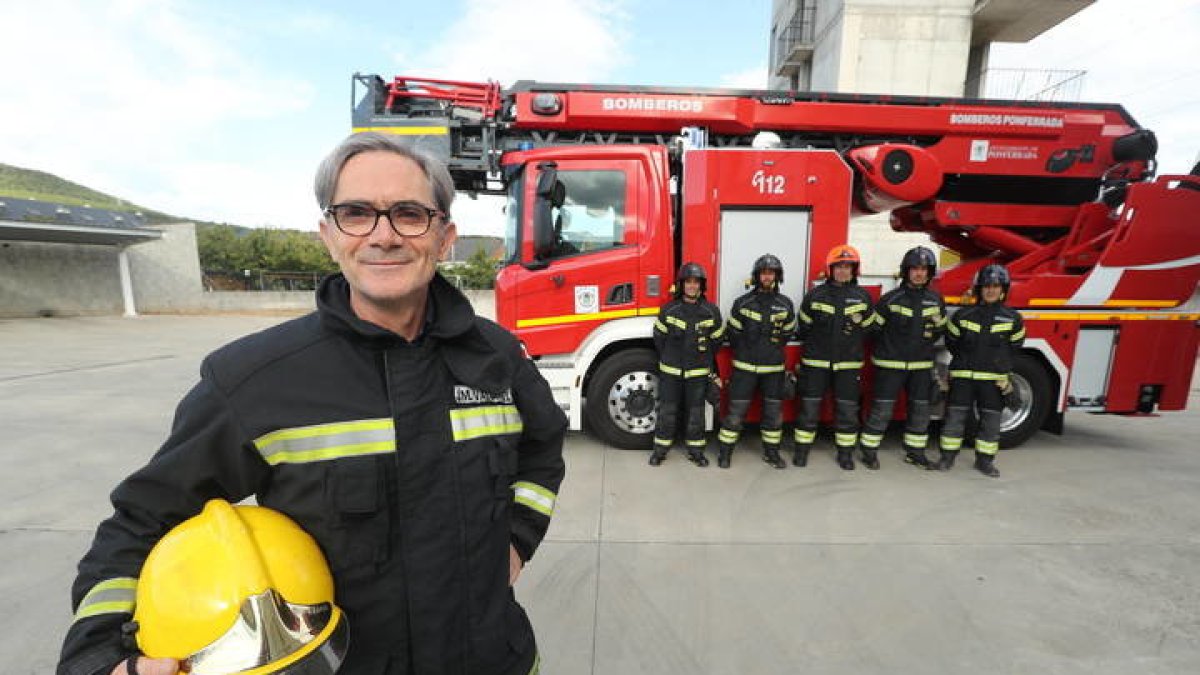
1084	557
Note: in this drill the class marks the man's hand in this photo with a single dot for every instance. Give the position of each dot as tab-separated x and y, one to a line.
515	564
148	666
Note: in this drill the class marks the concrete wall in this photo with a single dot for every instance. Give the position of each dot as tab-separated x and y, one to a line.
58	279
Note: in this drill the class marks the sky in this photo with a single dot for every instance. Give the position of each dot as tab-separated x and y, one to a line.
221	109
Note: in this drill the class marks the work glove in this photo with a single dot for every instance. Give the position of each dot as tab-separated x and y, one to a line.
712	393
788	390
1011	398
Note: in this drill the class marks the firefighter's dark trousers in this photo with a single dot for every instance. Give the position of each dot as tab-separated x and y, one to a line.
741	392
967	393
917	385
846	389
680	400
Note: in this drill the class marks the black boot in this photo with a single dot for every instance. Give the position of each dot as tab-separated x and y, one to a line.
916	458
845	459
985	464
657	457
697	457
724	454
800	458
771	456
946	462
870	459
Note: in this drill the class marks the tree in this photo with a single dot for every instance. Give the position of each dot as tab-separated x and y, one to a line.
478	271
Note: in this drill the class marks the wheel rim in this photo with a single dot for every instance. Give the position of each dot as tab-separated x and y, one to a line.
631	401
1012	418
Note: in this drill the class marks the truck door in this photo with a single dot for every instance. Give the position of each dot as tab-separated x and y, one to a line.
580	254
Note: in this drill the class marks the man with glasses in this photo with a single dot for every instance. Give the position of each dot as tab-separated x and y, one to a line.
410	438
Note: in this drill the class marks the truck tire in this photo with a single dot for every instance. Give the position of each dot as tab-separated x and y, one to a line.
1036	394
621	399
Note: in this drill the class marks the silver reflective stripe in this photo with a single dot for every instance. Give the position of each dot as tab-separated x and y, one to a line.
485	420
322	442
109	597
534	496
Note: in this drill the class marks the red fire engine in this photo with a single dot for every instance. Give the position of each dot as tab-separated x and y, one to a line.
610	188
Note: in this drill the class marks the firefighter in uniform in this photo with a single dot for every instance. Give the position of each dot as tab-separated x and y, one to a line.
687	334
834	319
411	439
760	323
983	339
912	318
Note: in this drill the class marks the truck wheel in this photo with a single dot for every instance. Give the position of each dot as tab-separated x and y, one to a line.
622	398
1036	396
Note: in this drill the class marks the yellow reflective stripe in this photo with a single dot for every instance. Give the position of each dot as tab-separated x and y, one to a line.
1001	327
779	315
815	363
733	321
802	436
856	308
750	314
791	325
769	436
847	365
1112	316
951	444
695	372
953	328
1017	335
109	597
322	442
677	322
978	375
845	439
901	309
871	440
660	326
752	368
579	318
987	447
823	307
485	420
665	442
727	436
930	311
718	333
971	326
534	496
705	323
407	131
670	370
804	317
872	319
696	442
916	440
901	365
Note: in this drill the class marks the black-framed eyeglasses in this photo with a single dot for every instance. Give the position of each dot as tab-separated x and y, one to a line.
407	219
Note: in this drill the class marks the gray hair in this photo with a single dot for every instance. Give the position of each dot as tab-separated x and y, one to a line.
373	141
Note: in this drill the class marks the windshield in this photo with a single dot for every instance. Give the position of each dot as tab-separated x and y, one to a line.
512	219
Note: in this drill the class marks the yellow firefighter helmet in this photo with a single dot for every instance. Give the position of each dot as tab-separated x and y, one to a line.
240	590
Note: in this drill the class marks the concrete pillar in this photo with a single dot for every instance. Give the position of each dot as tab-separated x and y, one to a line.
126	281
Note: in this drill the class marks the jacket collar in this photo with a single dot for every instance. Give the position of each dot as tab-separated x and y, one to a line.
448	313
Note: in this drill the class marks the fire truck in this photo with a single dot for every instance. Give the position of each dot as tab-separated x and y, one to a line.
610	188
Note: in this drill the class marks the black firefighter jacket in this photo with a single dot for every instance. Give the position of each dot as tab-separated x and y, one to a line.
687	335
910	322
832	337
760	324
415	465
982	340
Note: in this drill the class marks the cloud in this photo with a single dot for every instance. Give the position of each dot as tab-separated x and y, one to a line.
751	78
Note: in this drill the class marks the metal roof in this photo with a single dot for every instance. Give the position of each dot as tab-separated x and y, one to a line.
47	222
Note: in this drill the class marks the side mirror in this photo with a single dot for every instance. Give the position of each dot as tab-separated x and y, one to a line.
550	195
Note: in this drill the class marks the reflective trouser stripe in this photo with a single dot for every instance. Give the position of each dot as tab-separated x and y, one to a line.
321	442
486	420
839	365
727	436
802	436
679	372
845	439
695	372
1017	335
534	496
987	447
951	444
696	442
109	597
847	365
871	440
751	368
815	363
977	375
916	440
772	437
666	442
901	365
670	370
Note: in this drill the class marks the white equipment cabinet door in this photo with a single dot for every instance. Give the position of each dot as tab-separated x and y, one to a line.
748	233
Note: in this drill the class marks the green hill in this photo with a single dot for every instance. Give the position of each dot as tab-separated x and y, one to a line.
42	186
